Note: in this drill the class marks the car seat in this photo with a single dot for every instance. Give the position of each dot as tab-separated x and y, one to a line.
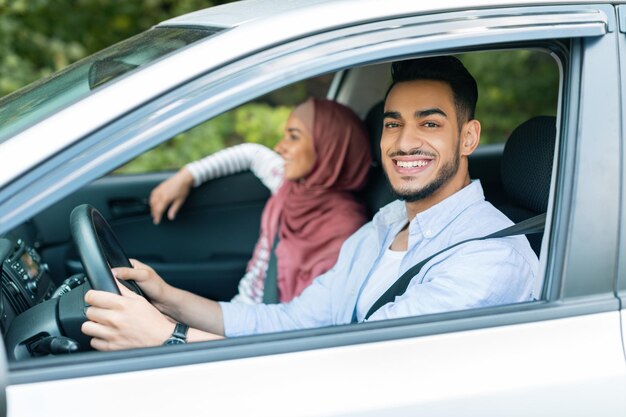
526	171
377	191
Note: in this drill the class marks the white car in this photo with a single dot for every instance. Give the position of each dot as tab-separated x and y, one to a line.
562	355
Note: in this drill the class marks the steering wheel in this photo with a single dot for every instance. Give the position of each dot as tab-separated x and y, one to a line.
34	332
99	249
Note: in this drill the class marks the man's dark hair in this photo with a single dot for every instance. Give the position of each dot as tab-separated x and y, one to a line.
447	69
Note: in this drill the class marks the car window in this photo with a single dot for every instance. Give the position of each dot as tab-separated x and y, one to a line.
38	100
513	86
507	97
259	121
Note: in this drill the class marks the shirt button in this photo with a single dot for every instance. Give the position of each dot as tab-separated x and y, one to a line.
428	233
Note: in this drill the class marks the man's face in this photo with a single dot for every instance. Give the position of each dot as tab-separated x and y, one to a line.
420	143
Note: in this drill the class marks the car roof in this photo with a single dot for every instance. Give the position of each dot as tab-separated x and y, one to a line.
316	11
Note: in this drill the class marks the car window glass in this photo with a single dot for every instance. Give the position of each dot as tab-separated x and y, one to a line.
35	102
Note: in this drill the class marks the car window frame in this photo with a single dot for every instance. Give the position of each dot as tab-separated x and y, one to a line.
621	280
127	137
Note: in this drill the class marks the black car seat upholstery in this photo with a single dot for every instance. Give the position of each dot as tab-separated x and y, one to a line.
526	171
376	192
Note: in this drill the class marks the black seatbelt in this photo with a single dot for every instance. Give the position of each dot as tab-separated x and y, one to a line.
270	287
529	226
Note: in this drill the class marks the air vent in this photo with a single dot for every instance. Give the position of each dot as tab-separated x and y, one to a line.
12	293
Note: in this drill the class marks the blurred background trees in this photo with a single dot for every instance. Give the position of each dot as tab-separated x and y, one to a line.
39	37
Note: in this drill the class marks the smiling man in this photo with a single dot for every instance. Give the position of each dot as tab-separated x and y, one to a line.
429	131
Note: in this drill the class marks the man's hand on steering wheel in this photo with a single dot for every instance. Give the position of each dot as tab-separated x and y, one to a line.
123	322
152	285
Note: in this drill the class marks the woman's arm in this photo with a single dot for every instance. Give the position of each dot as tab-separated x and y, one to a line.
266	164
170	195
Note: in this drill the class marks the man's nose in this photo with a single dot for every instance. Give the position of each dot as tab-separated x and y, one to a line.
409	138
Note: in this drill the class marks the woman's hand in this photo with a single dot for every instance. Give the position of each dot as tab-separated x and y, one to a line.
153	286
123	322
170	193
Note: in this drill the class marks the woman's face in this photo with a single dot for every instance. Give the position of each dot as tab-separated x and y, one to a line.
296	148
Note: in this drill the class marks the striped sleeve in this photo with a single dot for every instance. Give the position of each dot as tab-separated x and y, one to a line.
266	164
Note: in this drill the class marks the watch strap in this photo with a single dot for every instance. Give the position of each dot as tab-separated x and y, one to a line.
179	335
180	331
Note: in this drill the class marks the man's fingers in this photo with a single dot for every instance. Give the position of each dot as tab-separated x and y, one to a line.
125	291
136	274
94	329
138	264
100	344
103	299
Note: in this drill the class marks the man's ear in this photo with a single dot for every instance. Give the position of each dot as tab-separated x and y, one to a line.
470	137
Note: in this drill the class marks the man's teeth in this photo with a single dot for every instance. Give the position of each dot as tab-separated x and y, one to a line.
411	164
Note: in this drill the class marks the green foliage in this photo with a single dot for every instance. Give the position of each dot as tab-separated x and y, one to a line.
39	37
512	87
253	122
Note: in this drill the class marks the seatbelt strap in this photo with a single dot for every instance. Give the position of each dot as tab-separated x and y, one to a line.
270	286
529	226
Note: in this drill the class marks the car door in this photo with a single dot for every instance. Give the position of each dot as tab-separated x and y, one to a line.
560	355
621	287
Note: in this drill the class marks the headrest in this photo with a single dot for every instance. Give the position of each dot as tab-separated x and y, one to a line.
527	163
374	126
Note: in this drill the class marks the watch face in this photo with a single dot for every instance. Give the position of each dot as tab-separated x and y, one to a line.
174	341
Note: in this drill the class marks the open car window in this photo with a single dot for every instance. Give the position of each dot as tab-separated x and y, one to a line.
206	249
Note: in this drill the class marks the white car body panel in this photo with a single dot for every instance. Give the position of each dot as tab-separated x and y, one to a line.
570	367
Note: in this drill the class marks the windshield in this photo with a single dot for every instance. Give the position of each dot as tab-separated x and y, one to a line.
33	103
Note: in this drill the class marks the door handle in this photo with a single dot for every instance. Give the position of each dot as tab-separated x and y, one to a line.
129	207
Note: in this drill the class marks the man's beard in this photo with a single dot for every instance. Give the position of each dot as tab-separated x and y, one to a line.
447	171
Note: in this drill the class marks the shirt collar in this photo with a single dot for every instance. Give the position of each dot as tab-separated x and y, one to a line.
432	221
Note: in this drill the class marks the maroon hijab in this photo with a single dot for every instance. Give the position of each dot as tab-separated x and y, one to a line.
315	215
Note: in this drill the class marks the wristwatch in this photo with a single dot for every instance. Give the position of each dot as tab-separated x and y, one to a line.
179	335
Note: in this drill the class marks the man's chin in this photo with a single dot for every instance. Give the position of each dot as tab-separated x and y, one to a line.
414	192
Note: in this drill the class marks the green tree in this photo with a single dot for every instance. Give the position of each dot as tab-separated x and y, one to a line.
512	87
39	37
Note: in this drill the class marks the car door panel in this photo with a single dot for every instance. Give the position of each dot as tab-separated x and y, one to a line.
540	369
204	250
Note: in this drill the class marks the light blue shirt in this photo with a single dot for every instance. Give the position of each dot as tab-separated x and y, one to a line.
475	274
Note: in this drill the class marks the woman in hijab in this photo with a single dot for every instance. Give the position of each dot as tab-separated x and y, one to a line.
322	158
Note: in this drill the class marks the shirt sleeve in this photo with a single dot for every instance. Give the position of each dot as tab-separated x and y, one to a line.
266	164
477	274
312	308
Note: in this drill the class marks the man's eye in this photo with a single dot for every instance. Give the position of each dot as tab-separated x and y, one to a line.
431	124
391	124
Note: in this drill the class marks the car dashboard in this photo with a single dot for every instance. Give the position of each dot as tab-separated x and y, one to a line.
27	285
25	280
